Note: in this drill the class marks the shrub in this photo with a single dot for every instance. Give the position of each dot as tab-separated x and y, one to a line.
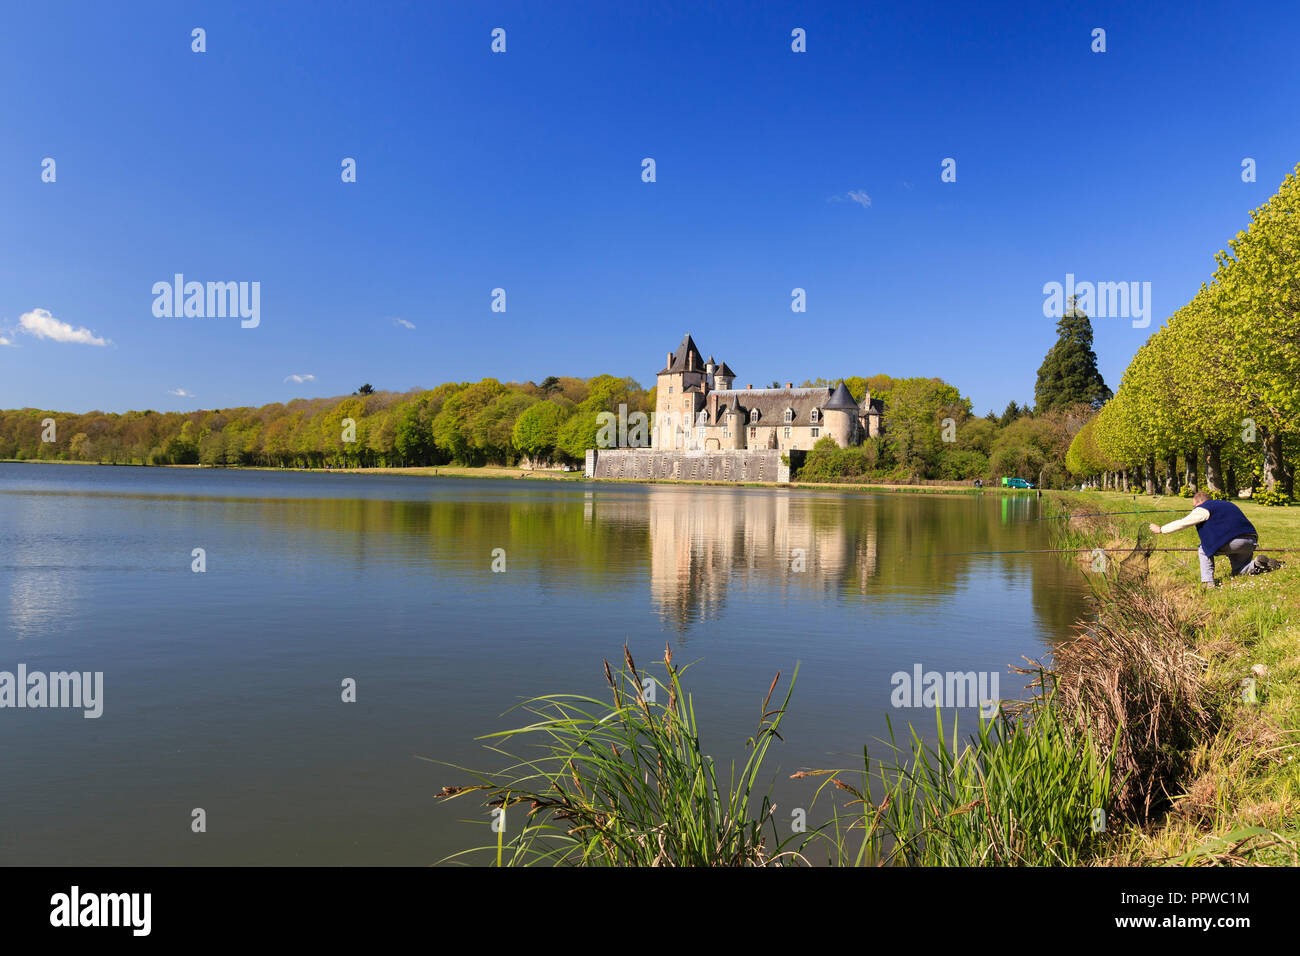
959	464
1276	498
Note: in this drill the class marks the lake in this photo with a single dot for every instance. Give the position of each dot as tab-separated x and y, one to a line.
222	689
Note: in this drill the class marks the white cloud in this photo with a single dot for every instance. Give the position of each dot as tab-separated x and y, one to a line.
300	378
404	323
860	197
41	324
7	341
180	392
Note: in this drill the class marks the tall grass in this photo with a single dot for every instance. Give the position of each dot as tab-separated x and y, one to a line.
1137	668
1025	790
630	785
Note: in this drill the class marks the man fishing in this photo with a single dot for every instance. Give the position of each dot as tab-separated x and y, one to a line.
1224	530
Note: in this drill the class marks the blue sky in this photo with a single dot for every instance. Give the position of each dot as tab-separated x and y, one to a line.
522	170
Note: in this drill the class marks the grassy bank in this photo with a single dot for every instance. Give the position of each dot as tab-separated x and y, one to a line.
1242	775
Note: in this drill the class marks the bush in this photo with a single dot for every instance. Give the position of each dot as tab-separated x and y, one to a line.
827	461
1186	491
959	465
1276	498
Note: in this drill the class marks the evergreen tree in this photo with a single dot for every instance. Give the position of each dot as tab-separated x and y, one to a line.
1011	413
1069	372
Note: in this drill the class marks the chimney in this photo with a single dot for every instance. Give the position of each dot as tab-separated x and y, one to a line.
789	384
668	362
750	385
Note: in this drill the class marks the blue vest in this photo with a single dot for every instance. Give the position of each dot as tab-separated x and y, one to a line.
1226	522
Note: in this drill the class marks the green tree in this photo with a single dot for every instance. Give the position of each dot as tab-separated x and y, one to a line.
914	422
537	430
1069	372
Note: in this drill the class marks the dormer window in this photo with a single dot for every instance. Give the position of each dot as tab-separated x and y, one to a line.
753	416
812	416
789	416
702	418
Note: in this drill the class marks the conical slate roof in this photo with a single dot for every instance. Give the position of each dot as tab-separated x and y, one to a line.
841	399
686	357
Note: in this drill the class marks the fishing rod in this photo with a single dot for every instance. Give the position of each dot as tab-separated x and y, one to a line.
962	554
1103	514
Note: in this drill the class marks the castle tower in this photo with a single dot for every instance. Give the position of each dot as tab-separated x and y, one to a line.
680	388
841	416
869	416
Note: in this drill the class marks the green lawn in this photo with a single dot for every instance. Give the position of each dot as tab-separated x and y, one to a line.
1249	627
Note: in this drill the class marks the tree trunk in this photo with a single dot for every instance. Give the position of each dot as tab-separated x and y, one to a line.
1149	475
1123	477
1171	474
1272	442
1213	469
1189	470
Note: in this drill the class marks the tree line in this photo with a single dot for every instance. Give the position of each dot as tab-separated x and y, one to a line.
469	423
930	431
1215	392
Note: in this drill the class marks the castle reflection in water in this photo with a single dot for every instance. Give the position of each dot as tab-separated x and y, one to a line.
708	547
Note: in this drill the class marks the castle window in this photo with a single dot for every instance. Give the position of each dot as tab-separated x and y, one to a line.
670	389
702	418
753	415
699	433
816	432
726	433
788	431
753	433
789	416
812	416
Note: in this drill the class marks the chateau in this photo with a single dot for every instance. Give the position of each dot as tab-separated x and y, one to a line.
698	408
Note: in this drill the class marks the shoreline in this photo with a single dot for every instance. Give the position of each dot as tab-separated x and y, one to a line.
503	472
1235	797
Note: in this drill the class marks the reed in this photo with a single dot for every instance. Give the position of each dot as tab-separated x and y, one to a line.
1137	668
629	784
1025	790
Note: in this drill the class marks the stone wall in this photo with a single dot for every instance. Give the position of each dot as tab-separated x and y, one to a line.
647	464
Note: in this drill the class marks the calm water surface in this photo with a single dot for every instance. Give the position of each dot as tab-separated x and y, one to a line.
222	689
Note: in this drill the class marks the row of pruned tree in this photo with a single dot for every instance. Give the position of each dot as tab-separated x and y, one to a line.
1215	393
